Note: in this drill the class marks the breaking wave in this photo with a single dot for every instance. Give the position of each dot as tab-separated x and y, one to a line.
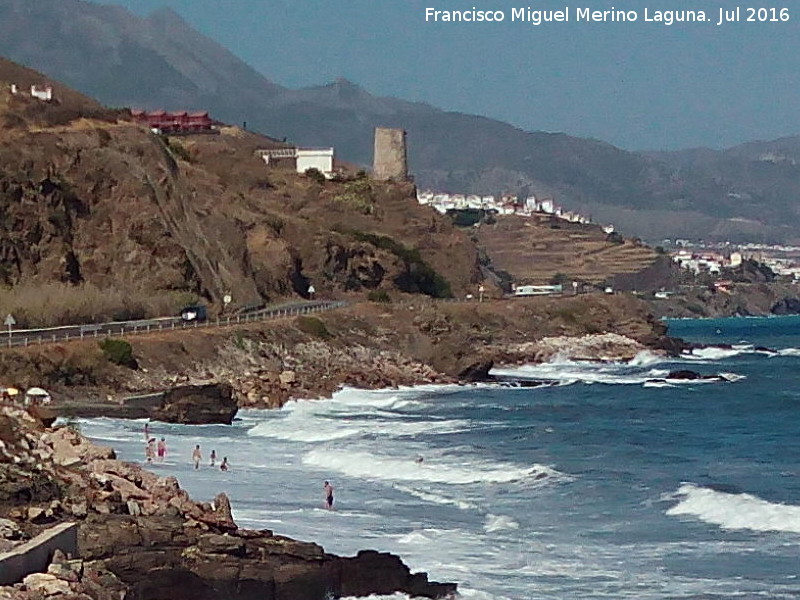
735	511
465	471
499	523
434	498
714	353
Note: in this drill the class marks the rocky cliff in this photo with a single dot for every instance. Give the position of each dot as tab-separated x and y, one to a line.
90	200
151	541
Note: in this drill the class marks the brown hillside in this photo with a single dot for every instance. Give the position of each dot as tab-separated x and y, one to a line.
20	110
533	250
86	198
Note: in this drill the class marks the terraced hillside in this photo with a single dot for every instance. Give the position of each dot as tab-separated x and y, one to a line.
535	250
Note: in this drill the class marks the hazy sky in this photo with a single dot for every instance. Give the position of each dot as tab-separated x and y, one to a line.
637	85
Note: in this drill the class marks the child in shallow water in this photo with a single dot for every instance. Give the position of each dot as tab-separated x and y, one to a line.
224	464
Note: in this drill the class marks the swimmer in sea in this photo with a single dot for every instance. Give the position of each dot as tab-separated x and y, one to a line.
224	464
419	460
197	456
328	490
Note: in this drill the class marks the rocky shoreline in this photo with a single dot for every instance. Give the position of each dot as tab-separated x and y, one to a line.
140	536
364	346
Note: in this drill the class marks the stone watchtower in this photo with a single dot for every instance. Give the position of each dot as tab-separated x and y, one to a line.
389	160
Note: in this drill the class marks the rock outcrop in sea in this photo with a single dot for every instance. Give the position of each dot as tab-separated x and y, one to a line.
141	536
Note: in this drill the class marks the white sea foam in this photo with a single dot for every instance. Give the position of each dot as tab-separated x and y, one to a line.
499	523
296	428
568	372
732	376
435	498
355	413
397	596
466	594
714	353
735	511
658	384
645	358
466	471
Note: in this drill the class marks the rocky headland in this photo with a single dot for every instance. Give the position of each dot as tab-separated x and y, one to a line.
759	299
365	345
141	536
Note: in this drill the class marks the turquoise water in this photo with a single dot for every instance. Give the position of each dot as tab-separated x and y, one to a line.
607	485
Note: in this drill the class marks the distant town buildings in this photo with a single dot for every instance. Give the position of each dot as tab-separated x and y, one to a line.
302	159
506	204
180	122
784	261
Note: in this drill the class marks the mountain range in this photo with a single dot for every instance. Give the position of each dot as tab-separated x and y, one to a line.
746	193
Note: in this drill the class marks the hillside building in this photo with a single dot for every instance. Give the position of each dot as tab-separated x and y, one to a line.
301	159
43	93
179	122
315	158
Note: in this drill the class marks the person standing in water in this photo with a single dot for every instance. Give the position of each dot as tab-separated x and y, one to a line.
197	456
213	457
224	464
328	490
161	449
149	449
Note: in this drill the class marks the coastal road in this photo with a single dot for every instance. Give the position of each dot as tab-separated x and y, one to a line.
27	337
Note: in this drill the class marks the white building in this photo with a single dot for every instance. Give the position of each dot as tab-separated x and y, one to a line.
315	158
304	158
474	201
44	93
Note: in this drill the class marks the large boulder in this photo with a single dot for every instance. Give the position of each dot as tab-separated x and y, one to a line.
198	405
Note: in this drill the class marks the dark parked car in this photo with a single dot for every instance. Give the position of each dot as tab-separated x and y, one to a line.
194	313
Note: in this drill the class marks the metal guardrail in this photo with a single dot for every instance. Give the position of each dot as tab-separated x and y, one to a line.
71	333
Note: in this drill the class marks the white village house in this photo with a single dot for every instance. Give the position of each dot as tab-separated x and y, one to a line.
304	159
40	92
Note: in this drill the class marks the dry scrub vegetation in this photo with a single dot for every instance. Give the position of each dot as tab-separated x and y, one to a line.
55	304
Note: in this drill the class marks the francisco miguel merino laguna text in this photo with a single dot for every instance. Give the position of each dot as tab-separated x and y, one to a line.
612	15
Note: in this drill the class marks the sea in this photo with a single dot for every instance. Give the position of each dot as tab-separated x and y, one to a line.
610	482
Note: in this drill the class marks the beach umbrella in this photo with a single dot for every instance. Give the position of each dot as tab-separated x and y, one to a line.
38	395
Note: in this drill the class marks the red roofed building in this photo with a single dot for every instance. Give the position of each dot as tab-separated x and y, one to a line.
174	122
